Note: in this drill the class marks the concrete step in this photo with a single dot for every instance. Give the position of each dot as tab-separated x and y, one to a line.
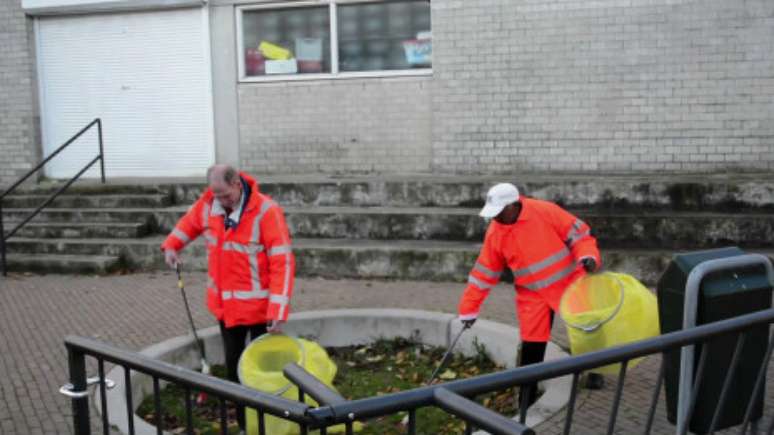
702	192
60	263
90	215
647	230
149	200
652	230
395	259
79	230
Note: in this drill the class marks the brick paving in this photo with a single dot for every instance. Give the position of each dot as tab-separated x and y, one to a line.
134	311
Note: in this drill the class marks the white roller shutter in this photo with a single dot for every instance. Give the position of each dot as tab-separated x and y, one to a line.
146	74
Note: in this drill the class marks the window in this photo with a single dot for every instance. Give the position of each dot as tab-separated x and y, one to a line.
342	38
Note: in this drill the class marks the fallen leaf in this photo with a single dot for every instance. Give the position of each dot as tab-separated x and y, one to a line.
448	374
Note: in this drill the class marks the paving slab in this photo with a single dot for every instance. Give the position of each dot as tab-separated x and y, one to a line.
135	311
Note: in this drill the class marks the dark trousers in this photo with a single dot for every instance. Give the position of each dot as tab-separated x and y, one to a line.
532	352
234	342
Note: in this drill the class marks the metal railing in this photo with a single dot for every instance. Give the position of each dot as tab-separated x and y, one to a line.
453	397
100	157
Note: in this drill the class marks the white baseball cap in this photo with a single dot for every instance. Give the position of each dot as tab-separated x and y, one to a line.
497	198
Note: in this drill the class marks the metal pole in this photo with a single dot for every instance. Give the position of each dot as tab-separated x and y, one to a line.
77	364
2	242
687	355
101	150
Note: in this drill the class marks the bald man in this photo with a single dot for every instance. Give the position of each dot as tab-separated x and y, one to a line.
251	266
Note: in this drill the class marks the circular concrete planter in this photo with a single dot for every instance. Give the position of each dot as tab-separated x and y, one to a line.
333	328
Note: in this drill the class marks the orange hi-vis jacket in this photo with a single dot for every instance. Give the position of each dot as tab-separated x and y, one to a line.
543	249
251	267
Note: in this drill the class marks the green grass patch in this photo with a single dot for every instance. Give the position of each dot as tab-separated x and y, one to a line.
383	367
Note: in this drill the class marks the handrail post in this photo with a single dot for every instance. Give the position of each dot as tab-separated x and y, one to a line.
101	150
77	363
2	241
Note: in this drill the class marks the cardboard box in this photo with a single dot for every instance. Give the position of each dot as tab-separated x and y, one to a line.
281	66
310	66
255	63
309	49
419	52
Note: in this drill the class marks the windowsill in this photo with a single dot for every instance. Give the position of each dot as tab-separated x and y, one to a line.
423	72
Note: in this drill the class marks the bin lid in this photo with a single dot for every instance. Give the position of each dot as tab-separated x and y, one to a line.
717	283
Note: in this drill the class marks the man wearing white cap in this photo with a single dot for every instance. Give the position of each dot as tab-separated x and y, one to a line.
546	248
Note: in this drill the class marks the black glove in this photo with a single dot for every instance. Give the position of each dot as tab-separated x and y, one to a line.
467	323
589	264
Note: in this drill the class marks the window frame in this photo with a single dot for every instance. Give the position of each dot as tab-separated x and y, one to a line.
334	46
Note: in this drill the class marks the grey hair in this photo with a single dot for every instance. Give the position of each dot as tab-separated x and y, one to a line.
229	174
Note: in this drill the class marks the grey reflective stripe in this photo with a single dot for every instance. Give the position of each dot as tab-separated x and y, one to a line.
487	271
279	299
575	238
543	283
281	249
542	264
480	284
181	235
572	234
255	273
242	248
244	295
285	287
205	215
210	238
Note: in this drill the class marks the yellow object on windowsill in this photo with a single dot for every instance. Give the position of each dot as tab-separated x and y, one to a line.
273	51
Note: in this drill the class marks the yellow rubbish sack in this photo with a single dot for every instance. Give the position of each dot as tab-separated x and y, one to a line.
274	51
260	367
608	309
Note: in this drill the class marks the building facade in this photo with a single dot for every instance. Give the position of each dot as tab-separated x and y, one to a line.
343	86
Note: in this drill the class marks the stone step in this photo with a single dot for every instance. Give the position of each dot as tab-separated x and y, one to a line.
149	200
395	259
80	230
90	215
702	192
60	263
651	230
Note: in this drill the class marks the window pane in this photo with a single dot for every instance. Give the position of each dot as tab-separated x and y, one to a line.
384	36
286	41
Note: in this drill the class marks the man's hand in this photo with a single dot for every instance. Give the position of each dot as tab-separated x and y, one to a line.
171	258
275	327
467	323
589	264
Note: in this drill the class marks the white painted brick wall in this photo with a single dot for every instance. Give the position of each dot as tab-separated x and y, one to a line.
329	126
611	85
18	119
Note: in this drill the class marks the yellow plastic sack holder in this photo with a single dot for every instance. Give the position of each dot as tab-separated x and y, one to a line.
260	367
608	309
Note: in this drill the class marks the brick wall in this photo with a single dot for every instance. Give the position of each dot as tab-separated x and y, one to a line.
18	112
614	85
329	126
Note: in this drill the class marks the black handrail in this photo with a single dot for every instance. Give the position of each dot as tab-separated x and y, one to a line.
451	396
498	381
100	157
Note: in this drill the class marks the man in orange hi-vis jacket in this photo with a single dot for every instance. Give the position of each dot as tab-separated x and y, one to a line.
546	248
251	266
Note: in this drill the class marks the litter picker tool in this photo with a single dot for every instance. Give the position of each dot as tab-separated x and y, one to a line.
202	397
447	354
445	357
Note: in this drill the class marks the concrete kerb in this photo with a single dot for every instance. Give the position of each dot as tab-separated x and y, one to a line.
333	328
